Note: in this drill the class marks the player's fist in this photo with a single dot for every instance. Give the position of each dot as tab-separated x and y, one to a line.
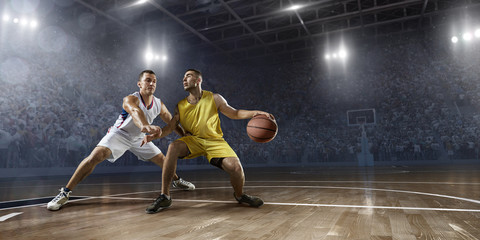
152	129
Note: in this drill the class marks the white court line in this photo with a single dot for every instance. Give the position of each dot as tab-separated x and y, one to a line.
308	204
115	196
3	218
359	188
339	181
305	204
363	182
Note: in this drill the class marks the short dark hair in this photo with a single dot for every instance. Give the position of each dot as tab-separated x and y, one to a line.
143	72
199	74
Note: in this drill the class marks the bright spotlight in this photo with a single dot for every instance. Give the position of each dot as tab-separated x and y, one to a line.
141	1
6	18
454	39
467	36
23	21
149	56
327	56
164	57
477	33
33	24
342	54
294	7
15	20
334	55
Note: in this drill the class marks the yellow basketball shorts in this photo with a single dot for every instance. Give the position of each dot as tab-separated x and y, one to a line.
211	148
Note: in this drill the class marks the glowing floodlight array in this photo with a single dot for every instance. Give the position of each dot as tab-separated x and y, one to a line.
152	56
294	7
22	22
139	2
339	55
467	36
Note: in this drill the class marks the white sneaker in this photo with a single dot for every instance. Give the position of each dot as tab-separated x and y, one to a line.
60	200
182	184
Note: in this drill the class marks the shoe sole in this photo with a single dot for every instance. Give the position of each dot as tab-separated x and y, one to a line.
53	209
56	209
158	210
250	204
184	189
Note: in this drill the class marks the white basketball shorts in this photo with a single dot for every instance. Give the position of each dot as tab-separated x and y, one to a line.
119	143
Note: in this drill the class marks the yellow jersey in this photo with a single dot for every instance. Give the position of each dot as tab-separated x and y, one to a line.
201	119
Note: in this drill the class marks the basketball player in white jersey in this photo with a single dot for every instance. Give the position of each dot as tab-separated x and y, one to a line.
139	111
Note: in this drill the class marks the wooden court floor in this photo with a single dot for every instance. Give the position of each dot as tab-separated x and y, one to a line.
331	203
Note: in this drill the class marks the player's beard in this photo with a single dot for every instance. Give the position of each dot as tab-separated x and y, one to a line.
189	87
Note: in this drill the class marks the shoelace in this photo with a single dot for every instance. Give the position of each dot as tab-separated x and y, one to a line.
159	199
182	181
59	196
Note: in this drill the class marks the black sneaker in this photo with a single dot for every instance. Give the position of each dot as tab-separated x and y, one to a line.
160	203
250	200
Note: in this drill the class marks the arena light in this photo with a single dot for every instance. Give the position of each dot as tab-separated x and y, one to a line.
149	56
33	24
152	56
467	36
454	39
342	54
24	22
294	7
477	33
339	55
141	1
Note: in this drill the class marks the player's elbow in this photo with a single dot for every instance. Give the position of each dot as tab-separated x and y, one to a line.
235	115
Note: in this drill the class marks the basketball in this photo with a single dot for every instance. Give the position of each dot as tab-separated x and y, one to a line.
262	129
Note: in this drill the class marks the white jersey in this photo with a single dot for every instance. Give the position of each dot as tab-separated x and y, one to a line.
125	125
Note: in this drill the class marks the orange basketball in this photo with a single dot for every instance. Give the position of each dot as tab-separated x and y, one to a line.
262	129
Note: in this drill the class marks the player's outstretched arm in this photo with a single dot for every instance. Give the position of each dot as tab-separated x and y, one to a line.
131	105
166	130
166	116
233	113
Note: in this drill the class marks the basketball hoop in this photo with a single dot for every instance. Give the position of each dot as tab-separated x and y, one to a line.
361	117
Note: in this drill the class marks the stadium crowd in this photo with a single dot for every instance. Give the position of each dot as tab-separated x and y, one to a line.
55	108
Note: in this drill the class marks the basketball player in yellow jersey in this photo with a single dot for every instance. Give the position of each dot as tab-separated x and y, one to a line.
198	115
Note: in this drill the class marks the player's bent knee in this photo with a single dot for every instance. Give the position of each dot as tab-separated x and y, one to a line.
177	148
232	165
98	155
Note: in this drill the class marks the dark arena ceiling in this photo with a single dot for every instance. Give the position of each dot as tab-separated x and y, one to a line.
265	30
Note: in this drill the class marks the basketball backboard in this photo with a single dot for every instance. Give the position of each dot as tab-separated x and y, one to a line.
361	117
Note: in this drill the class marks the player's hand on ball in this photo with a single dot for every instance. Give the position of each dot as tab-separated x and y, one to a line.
266	114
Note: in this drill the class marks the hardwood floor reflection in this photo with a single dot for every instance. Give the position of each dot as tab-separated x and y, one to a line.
300	203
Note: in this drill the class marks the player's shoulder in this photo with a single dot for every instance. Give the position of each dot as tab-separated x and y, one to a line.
157	99
215	95
218	96
130	97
